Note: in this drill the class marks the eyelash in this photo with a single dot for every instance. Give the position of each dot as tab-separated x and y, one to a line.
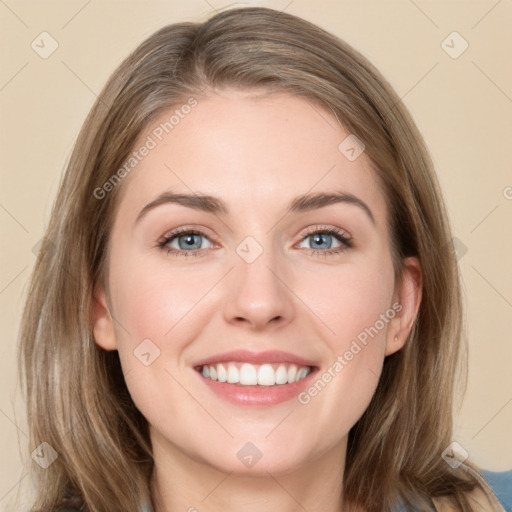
346	242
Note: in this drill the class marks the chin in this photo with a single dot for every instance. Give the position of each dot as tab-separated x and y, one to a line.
272	463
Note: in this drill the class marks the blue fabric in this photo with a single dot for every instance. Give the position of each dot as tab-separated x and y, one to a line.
499	481
501	484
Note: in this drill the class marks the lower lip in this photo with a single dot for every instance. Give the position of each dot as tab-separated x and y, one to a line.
258	395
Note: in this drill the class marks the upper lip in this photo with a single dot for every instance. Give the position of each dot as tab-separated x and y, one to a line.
246	356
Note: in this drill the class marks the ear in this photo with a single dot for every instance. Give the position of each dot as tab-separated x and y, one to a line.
406	303
103	324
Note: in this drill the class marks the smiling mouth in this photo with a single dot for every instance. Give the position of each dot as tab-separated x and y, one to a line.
246	374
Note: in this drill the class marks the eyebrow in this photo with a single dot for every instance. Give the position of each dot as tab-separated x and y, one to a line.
211	204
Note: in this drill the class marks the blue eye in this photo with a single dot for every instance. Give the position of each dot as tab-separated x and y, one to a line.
327	241
184	242
189	241
322	242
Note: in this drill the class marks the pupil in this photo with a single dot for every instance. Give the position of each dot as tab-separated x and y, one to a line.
190	240
321	239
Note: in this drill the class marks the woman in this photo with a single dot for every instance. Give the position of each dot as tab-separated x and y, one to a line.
248	296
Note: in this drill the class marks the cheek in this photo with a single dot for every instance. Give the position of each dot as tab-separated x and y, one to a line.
152	308
355	304
152	301
351	301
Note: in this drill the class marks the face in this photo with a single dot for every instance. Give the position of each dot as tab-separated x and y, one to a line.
251	292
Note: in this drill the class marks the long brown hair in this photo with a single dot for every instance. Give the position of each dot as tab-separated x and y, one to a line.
77	400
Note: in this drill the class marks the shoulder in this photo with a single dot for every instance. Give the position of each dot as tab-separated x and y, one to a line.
501	484
497	497
477	498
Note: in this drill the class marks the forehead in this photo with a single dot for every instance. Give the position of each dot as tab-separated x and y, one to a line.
249	148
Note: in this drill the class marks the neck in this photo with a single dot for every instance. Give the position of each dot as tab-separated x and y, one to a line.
180	483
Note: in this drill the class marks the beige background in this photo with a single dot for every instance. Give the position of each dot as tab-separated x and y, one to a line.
463	107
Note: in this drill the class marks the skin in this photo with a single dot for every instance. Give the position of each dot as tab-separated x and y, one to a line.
256	154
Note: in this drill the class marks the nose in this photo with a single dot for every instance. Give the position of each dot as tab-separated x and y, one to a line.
257	294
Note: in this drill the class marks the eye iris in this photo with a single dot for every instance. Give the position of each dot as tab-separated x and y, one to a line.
321	238
191	241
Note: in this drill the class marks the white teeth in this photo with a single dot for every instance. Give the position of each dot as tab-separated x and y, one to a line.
282	375
222	374
292	373
233	374
300	374
266	375
250	375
